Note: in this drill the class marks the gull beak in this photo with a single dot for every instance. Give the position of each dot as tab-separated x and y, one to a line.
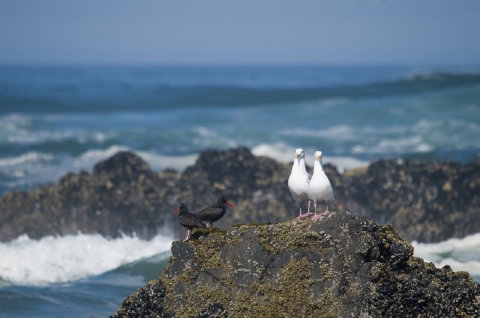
319	157
297	155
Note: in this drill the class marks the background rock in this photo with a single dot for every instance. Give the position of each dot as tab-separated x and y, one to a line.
426	201
342	265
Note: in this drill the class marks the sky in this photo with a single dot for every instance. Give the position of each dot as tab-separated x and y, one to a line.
227	32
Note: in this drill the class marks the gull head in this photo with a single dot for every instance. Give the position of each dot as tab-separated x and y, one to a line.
318	155
299	153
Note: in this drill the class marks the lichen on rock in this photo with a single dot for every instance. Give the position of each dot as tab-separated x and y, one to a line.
342	265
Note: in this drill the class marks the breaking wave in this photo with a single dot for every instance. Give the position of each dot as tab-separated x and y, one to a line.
69	258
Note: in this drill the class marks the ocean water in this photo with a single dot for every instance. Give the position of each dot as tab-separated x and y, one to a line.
75	276
55	120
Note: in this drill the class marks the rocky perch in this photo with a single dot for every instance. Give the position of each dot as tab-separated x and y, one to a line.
425	201
342	265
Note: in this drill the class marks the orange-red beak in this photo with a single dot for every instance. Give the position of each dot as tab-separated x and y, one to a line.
176	211
230	205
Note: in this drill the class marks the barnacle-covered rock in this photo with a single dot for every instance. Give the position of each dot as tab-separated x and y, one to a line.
342	265
425	201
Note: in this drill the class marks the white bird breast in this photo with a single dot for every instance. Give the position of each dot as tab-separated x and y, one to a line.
298	185
320	187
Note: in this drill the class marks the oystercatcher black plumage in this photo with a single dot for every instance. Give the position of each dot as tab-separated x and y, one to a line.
188	220
215	212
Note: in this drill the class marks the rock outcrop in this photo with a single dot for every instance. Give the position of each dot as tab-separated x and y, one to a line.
122	194
425	201
342	265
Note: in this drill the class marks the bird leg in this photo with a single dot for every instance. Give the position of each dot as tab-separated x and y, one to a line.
189	233
300	213
209	225
305	214
316	216
326	210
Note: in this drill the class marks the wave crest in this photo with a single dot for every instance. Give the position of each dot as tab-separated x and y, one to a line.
63	259
461	254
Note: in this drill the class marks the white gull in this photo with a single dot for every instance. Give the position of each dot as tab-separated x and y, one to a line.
298	180
319	188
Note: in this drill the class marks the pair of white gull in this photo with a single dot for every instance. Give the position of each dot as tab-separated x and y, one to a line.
304	186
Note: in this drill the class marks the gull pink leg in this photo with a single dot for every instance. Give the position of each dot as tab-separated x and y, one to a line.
316	216
305	214
308	211
326	211
300	213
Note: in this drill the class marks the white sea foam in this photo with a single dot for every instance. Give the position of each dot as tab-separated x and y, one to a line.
280	151
344	163
10	123
284	153
344	132
400	145
88	159
29	157
341	132
370	140
460	254
37	168
25	167
156	162
23	136
21	129
25	261
423	136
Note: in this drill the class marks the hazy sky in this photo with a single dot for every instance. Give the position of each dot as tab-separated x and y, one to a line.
240	32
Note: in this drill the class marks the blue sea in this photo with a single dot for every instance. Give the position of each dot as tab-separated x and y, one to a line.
59	119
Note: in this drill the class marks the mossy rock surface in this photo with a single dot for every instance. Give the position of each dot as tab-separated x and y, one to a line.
342	265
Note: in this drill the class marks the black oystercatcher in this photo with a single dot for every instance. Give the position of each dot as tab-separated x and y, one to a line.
215	212
188	220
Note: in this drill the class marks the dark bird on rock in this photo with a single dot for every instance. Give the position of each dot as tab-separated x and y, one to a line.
215	212
188	220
